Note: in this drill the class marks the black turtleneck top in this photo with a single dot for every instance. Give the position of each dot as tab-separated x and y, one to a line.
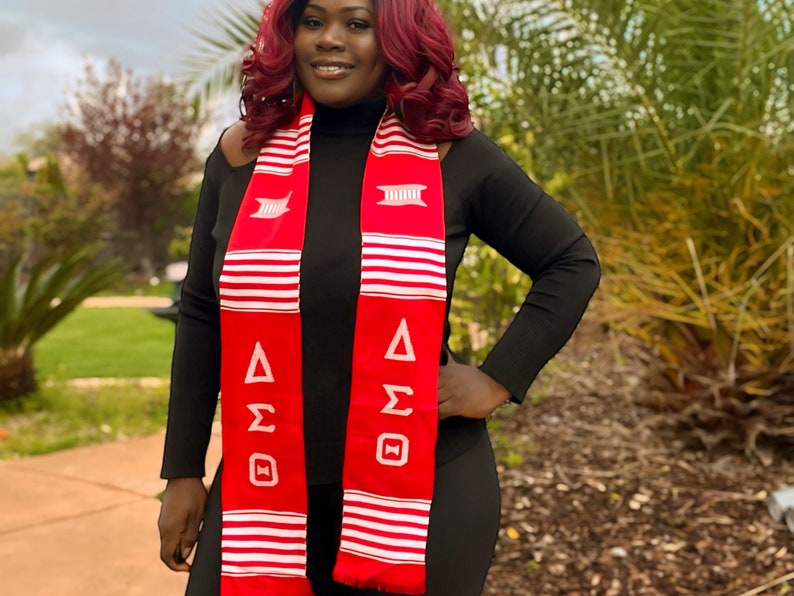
485	193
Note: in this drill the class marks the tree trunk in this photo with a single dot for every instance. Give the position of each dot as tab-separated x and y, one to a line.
17	375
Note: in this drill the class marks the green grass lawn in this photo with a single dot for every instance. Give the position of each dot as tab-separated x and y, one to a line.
125	343
106	342
59	416
125	288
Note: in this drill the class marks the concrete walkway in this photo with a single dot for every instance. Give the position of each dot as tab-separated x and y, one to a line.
126	301
83	522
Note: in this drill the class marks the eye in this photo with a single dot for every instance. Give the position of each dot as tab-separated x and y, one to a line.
359	25
311	22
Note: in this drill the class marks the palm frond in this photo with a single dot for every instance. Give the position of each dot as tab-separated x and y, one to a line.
212	67
35	301
644	72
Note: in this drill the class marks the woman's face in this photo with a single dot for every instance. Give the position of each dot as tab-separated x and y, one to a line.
336	52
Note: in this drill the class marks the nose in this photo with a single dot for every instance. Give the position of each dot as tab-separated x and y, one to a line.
331	38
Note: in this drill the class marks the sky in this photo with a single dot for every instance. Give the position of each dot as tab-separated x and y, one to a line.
44	44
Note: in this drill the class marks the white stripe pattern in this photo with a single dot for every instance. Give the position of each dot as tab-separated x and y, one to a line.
263	543
257	570
403	267
385	529
261	281
285	149
392	138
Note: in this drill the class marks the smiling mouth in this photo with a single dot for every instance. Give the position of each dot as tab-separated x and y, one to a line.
330	69
331	72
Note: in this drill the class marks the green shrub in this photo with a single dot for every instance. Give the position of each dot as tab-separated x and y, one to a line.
34	301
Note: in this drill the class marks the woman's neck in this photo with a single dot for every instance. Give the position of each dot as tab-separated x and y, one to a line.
356	119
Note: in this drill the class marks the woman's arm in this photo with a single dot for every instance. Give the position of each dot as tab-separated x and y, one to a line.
508	211
195	369
195	381
538	236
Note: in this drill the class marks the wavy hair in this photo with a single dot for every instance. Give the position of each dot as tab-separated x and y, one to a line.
422	85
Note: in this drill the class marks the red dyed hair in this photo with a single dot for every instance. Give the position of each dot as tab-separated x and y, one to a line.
422	85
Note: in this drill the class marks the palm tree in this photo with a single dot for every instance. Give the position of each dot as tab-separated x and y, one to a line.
672	123
33	301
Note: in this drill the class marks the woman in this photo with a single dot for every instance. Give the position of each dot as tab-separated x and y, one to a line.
331	221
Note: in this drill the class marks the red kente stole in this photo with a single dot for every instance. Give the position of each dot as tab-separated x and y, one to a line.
392	423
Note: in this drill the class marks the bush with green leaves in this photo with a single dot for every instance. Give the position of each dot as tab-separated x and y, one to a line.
34	298
673	123
488	292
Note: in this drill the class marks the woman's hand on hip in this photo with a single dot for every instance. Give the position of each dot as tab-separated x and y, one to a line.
464	390
181	512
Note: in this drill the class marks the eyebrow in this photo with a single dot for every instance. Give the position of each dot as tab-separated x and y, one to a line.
345	9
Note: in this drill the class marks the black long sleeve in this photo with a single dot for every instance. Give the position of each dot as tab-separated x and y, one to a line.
195	367
512	214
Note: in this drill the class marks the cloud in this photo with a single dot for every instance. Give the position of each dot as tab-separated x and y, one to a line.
32	95
141	34
44	43
41	58
11	37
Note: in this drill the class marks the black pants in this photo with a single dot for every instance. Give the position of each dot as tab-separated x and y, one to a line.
464	522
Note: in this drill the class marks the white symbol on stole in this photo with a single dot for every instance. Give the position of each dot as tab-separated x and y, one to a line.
392	391
271	208
262	470
256	425
401	195
259	358
402	339
393	450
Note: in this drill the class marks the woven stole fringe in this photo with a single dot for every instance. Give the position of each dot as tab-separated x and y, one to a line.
390	442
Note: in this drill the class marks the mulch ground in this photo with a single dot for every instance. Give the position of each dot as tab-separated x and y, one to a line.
599	500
